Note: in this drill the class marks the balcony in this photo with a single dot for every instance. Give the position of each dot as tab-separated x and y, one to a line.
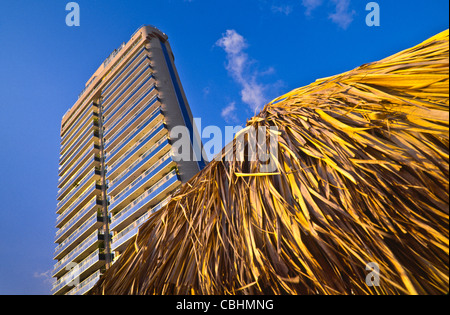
148	97
87	284
138	136
147	143
148	199
89	121
85	163
148	101
84	117
147	114
142	183
92	138
121	242
93	190
82	270
77	237
79	186
125	74
131	98
66	183
129	92
67	228
145	90
121	239
67	215
68	169
157	152
80	252
125	69
67	150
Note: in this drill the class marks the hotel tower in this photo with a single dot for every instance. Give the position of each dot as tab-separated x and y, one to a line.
116	163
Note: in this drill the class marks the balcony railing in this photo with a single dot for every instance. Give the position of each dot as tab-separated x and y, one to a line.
92	163
89	118
131	230
133	97
133	108
68	279
65	170
140	182
123	123
90	129
118	85
119	62
87	284
72	223
144	199
73	130
139	80
78	203
93	223
135	137
75	254
131	124
61	219
80	147
81	164
144	158
94	176
77	188
119	75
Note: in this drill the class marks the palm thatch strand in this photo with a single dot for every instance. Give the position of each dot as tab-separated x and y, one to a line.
362	176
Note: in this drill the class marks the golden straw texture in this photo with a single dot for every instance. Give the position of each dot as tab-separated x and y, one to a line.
362	176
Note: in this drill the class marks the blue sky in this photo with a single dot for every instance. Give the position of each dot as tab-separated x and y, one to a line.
232	57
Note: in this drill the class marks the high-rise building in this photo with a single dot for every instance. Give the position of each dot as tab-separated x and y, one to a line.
116	162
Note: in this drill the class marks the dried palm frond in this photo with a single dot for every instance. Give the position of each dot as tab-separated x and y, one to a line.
362	176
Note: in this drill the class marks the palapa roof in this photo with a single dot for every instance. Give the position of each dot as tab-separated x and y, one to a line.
362	176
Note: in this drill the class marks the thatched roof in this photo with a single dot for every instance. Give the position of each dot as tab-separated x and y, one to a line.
362	176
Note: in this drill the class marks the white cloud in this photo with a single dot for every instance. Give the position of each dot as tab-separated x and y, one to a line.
283	9
232	42
45	276
310	5
229	113
343	16
252	91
